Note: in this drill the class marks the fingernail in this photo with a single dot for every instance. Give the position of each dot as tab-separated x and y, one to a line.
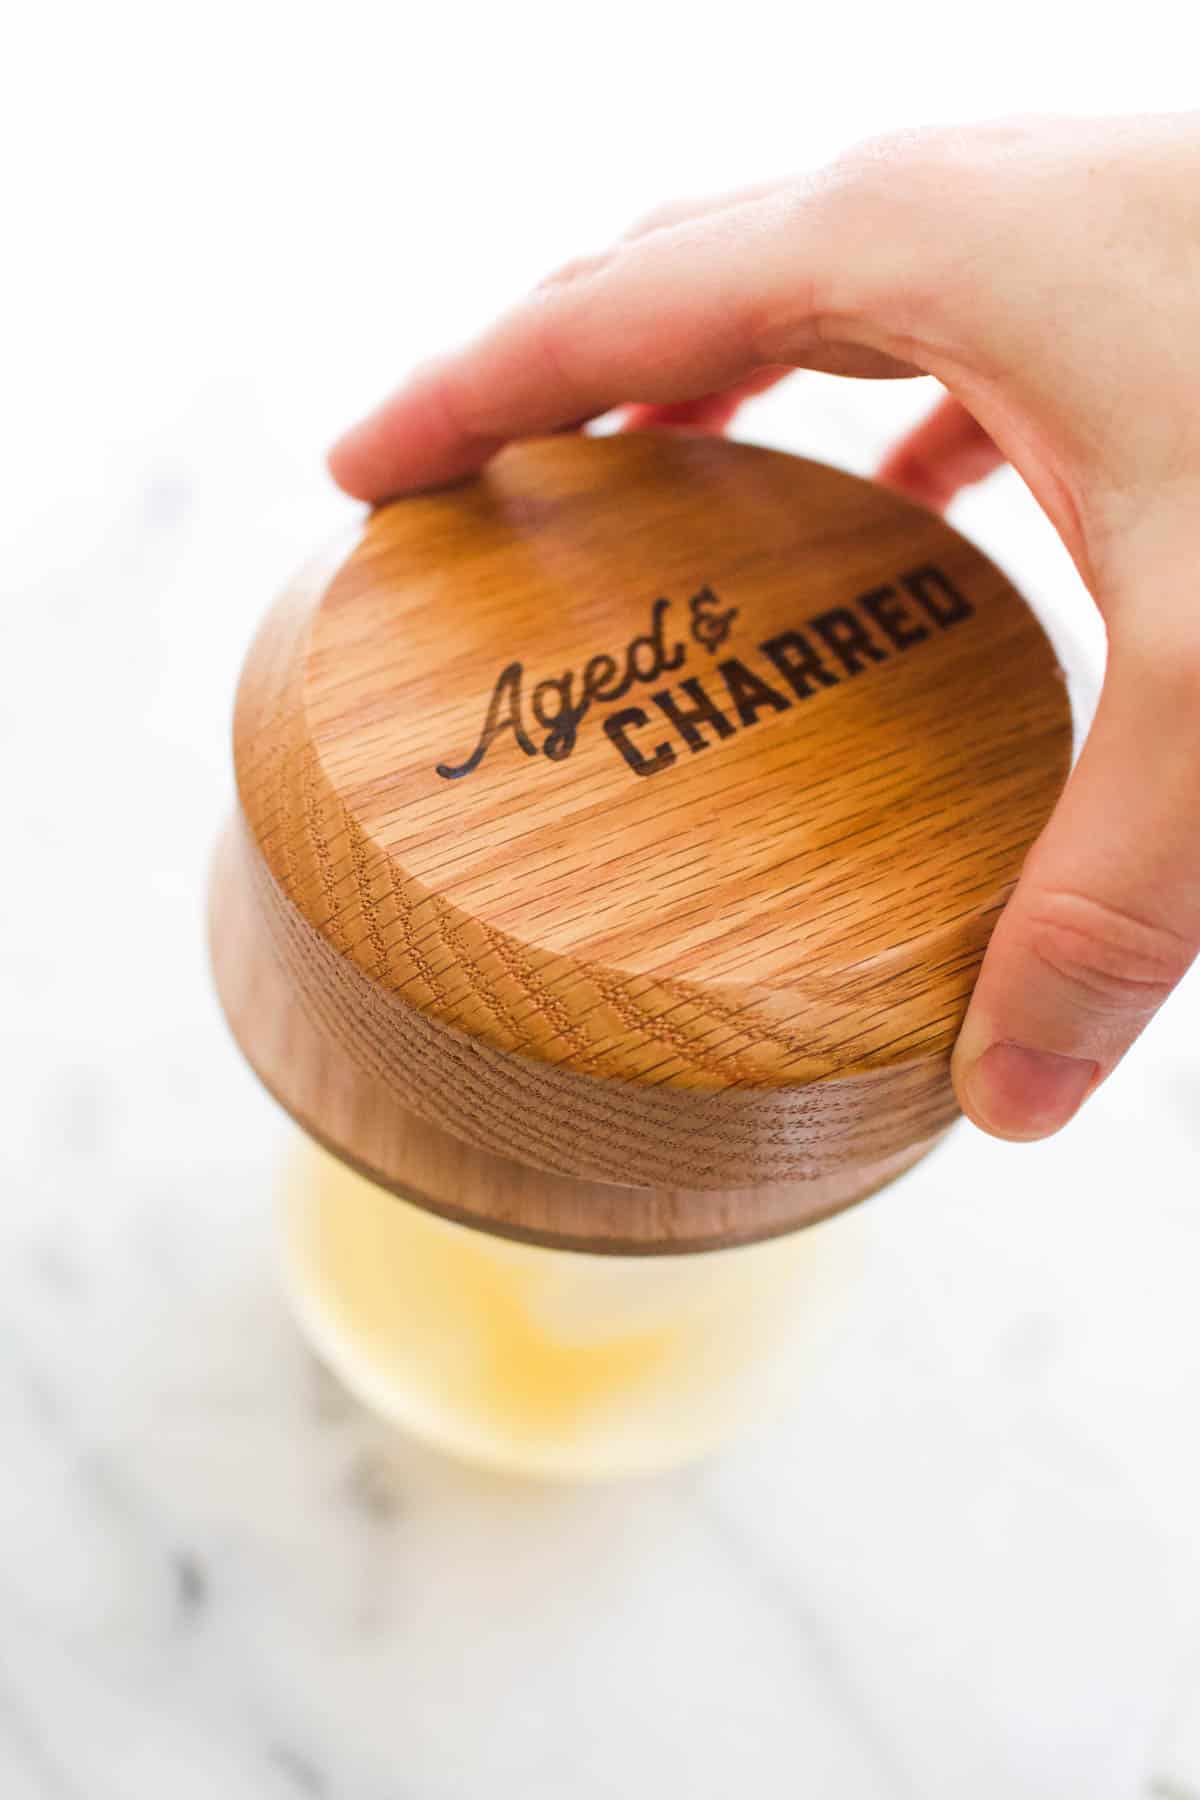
1026	1093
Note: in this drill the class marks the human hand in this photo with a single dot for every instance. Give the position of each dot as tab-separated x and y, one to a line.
1047	272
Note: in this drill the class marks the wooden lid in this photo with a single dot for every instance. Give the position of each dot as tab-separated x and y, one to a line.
638	812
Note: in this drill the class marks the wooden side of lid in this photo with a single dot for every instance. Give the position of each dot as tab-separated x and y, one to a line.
347	1091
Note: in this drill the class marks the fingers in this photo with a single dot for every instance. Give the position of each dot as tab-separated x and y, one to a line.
706	412
947	451
669	315
1105	919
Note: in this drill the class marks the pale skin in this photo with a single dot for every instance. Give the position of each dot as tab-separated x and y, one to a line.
1047	272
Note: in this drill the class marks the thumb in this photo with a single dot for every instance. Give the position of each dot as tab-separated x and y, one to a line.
1105	919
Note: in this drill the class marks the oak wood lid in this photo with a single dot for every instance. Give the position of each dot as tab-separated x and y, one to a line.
640	810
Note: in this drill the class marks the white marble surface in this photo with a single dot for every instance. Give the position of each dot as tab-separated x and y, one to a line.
966	1562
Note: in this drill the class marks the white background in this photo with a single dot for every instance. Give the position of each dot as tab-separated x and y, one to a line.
967	1562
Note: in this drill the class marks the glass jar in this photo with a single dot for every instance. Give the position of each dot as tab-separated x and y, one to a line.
551	1362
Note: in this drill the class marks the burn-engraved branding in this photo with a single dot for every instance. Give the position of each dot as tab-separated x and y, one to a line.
824	650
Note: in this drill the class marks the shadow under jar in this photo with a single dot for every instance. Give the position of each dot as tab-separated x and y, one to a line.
618	838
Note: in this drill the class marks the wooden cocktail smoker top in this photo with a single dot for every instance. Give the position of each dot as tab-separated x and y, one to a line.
620	833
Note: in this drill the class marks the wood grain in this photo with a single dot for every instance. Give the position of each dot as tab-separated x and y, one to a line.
704	914
382	1121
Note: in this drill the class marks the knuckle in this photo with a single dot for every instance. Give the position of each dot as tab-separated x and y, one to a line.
444	402
942	182
553	336
905	211
893	166
576	269
938	151
658	218
453	406
1115	961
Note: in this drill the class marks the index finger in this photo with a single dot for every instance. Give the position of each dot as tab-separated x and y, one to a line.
660	318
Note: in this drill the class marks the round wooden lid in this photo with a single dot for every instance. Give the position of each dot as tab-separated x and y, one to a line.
637	812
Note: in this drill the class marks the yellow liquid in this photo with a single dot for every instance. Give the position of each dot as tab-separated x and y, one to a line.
551	1362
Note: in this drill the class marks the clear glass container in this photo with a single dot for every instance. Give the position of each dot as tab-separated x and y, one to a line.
544	1361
